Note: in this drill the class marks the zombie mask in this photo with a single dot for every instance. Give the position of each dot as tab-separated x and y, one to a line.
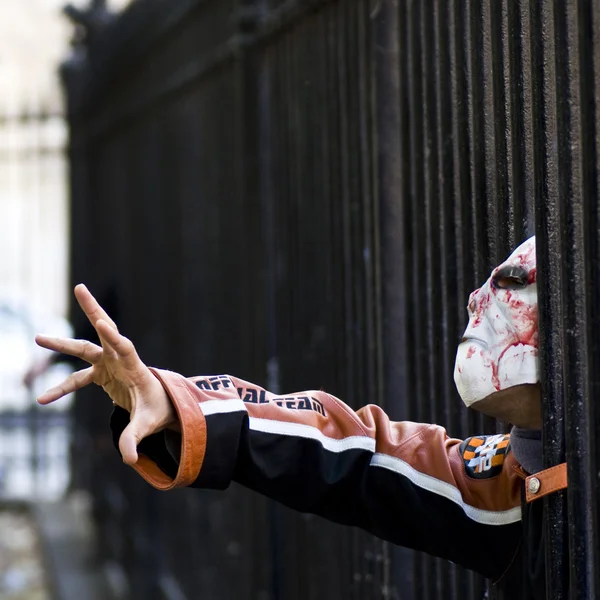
500	345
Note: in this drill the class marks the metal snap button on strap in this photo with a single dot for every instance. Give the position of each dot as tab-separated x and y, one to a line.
546	482
534	485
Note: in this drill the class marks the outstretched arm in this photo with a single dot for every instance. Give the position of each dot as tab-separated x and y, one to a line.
405	482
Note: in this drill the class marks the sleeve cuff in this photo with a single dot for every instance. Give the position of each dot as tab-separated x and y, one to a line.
160	463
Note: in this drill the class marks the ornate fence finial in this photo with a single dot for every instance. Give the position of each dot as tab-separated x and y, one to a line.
89	22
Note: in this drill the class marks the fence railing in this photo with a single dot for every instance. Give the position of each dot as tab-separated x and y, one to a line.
325	181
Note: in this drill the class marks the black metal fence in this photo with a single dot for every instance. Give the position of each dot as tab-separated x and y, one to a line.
303	193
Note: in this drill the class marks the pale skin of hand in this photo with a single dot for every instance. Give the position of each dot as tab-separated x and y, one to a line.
117	368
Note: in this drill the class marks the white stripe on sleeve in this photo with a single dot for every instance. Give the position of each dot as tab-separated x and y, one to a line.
446	490
213	407
355	442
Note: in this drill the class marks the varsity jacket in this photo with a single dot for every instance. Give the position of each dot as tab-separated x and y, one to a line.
405	482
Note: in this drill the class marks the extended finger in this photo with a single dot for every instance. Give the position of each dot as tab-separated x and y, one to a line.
72	383
90	306
80	348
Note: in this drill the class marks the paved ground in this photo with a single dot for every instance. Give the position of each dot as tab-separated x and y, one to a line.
67	541
22	568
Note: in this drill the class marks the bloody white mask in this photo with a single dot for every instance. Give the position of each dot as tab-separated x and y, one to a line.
500	345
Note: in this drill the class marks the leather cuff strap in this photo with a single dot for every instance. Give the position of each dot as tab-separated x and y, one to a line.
185	397
546	482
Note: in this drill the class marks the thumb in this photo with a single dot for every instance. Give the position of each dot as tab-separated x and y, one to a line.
132	435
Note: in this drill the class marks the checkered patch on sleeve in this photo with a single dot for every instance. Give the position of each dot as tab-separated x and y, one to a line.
484	455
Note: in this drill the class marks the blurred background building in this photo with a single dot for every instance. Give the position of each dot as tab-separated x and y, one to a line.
34	239
35	463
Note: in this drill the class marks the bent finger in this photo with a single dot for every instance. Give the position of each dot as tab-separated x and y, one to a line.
80	348
129	441
123	347
72	383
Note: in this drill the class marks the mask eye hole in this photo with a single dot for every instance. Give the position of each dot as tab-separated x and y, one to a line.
511	278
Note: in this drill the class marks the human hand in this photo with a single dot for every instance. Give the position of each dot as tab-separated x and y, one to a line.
116	366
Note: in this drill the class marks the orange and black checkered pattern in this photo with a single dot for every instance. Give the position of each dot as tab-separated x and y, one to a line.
484	455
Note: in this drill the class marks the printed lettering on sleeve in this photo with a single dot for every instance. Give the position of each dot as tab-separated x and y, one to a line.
484	455
252	395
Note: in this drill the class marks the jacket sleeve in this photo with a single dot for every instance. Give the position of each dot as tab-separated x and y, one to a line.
408	483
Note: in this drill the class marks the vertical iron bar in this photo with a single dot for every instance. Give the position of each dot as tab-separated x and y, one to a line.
577	104
550	283
590	19
389	71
